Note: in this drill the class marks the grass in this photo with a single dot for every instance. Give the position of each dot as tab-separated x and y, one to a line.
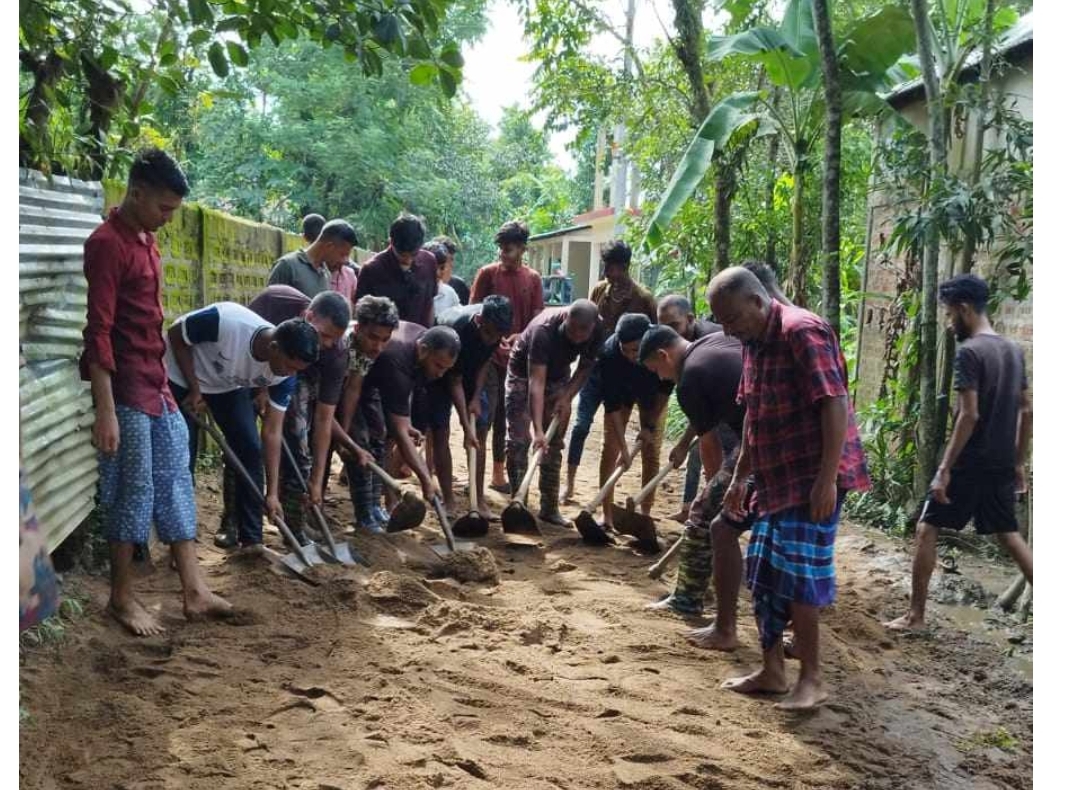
53	630
998	738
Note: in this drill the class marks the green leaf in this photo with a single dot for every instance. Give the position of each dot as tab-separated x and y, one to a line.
423	74
387	30
200	12
417	49
218	60
288	29
232	23
238	55
169	85
199	37
108	58
723	121
131	130
872	46
448	83
450	54
797	26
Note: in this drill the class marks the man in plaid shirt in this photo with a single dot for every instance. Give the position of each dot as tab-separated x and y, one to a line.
801	443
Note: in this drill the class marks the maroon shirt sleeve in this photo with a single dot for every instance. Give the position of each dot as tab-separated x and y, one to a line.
102	267
537	294
365	281
482	285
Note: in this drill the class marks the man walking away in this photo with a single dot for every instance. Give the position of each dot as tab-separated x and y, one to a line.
984	463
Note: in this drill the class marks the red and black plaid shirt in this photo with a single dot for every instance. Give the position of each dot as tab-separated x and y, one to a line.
796	364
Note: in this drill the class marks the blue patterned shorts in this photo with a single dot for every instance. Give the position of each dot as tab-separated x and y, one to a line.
148	479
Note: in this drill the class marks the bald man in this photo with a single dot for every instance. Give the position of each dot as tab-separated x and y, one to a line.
801	443
539	387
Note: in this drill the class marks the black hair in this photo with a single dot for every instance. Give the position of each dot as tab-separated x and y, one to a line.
407	232
377	311
441	338
339	230
964	289
513	232
584	311
658	337
496	309
297	339
631	326
334	307
676	302
155	168
312	226
616	253
447	242
764	271
440	252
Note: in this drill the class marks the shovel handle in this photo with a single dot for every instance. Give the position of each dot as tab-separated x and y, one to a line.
386	478
316	511
619	470
471	468
656	570
444	525
659	477
527	481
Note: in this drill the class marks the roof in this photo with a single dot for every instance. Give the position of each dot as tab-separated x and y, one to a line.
1014	43
558	232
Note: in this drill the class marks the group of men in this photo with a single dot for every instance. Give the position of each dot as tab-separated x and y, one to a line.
371	363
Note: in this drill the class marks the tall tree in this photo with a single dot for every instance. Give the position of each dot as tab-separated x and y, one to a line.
830	167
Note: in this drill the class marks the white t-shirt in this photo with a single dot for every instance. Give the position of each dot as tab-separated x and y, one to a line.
222	337
445	299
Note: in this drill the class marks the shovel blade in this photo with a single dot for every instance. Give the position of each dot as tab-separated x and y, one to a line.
409	513
297	567
591	532
519	521
472	525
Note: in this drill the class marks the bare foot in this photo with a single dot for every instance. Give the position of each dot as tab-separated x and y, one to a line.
759	682
207	606
672	604
135	618
680	516
713	639
805	695
908	622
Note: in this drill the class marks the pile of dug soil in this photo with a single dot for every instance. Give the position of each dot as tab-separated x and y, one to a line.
399	594
476	565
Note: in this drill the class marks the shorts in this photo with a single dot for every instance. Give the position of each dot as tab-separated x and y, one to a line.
431	407
491	396
984	496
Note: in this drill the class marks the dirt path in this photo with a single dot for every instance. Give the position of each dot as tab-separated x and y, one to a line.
555	678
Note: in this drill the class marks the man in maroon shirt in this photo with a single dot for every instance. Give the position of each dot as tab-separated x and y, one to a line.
521	285
405	273
140	435
801	442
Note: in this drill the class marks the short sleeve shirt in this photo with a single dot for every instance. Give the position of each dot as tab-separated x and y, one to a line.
637	299
222	337
295	269
395	373
626	383
445	300
796	364
521	286
994	367
411	290
703	327
474	352
279	303
544	342
707	386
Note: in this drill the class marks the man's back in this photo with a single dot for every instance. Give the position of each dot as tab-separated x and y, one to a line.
994	367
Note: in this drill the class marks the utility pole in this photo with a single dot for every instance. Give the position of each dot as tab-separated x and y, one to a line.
597	184
619	159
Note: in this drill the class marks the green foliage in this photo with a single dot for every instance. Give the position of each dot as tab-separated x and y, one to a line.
53	630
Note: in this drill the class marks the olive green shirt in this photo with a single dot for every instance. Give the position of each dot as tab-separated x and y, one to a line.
296	270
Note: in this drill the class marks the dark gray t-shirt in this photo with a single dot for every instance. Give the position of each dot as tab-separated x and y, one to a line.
296	270
995	368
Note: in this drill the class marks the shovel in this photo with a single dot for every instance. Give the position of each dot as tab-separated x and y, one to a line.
409	512
303	557
517	520
630	522
473	524
451	546
333	552
591	531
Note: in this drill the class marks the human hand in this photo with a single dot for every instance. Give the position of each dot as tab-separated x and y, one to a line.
261	401
939	487
105	431
194	402
823	498
733	501
540	442
274	510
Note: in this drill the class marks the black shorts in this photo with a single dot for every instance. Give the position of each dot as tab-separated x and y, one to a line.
986	496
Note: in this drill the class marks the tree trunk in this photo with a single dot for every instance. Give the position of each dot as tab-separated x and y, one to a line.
928	445
771	183
831	167
725	184
688	46
33	152
797	275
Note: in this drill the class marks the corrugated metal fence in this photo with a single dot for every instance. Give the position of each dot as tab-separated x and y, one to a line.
55	407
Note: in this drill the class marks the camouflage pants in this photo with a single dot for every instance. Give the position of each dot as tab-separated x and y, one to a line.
368	431
296	433
695	554
519	439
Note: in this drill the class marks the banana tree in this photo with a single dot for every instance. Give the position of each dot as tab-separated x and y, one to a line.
788	53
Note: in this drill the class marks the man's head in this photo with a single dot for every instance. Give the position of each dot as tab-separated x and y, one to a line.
293	347
334	243
375	319
629	330
580	323
965	298
448	243
768	278
739	303
675	311
444	260
330	314
615	257
155	189
406	234
511	239
312	226
661	350
438	349
495	320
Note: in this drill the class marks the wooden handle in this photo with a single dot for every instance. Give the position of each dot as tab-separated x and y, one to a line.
444	525
617	473
386	478
534	462
656	570
471	469
659	477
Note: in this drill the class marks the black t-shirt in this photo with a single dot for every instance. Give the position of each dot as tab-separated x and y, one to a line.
625	382
395	373
474	352
995	368
710	378
462	290
544	342
412	290
277	303
705	327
